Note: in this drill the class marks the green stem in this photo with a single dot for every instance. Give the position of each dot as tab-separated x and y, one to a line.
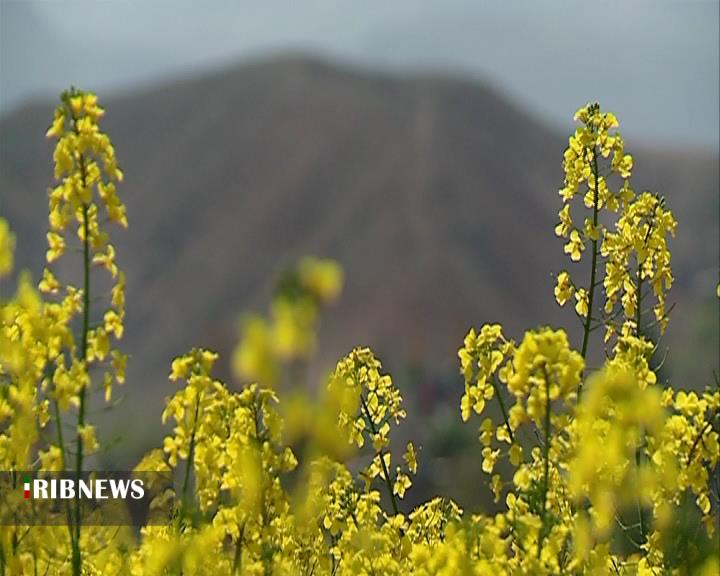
502	408
638	312
76	557
191	452
382	456
61	445
638	453
58	425
593	265
546	463
641	521
237	561
697	441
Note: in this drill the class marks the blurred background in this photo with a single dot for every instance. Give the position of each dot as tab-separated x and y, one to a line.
418	143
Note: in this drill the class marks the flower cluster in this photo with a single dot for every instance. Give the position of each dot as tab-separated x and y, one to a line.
595	154
86	166
640	232
371	405
287	338
626	232
595	142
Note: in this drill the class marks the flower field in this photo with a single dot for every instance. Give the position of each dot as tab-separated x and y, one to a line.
594	469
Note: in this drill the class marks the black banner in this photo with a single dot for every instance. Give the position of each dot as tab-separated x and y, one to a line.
101	498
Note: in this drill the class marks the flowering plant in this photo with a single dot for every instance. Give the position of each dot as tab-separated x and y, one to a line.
596	471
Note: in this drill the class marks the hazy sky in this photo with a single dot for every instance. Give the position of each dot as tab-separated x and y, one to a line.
654	62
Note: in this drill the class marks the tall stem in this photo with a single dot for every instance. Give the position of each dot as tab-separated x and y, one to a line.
638	451
593	264
382	456
61	445
76	556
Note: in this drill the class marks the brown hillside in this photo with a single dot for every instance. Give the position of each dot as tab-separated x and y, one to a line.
437	195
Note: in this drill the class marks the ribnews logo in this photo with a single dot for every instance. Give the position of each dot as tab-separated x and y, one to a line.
109	498
97	489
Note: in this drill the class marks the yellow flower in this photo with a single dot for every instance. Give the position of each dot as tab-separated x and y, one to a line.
516	454
489	459
410	457
113	323
521	479
7	248
544	359
565	225
582	302
56	245
51	459
323	278
564	288
575	246
58	124
49	284
402	483
87	433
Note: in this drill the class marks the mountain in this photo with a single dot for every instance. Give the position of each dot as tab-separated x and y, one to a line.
438	195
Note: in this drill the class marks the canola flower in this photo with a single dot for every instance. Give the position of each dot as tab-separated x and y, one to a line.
269	348
57	342
601	471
